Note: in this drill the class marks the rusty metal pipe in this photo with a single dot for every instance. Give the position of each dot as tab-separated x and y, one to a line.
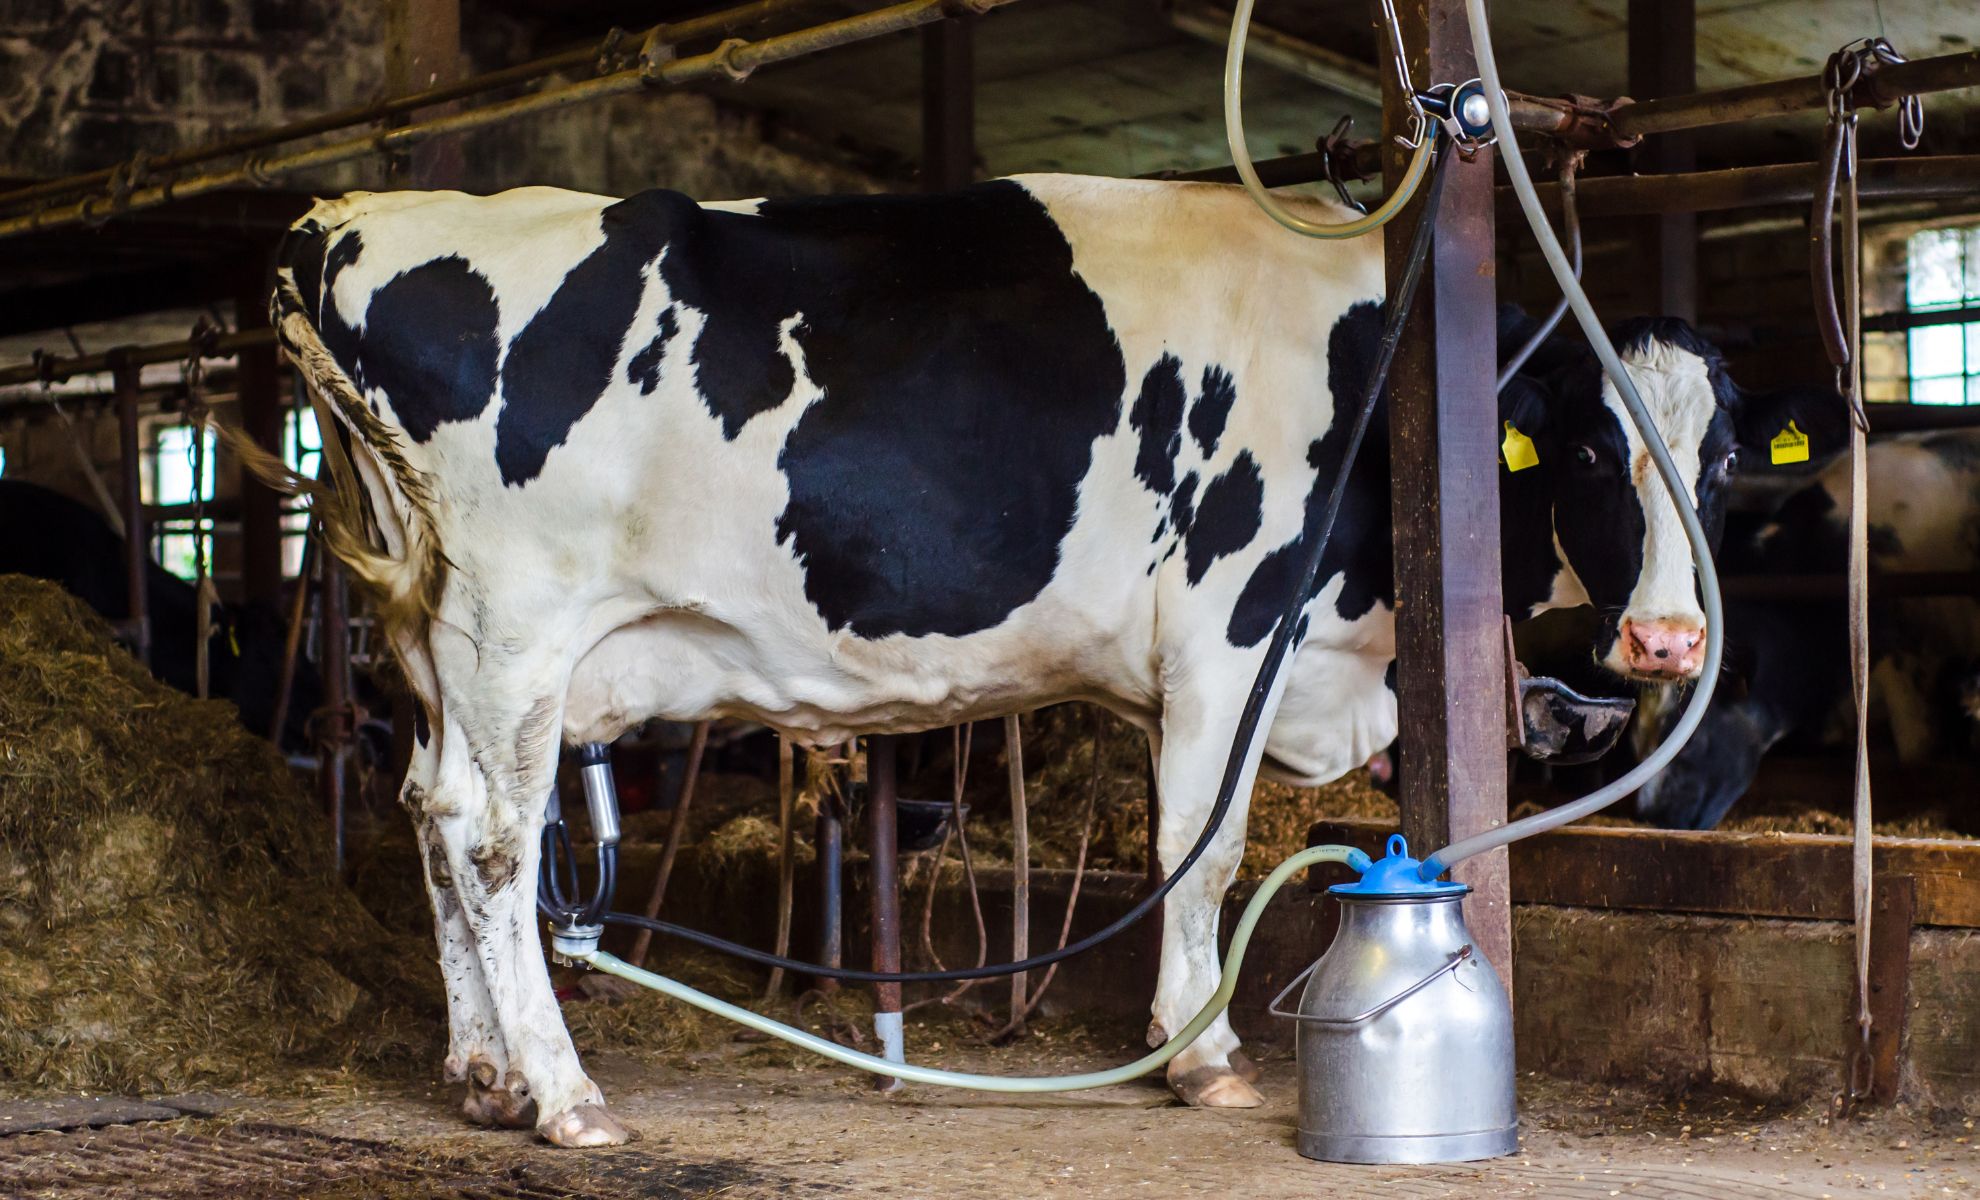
1947	177
735	60
884	882
137	604
333	720
1781	97
57	369
285	681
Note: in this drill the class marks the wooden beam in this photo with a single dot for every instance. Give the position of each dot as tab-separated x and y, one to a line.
259	389
1444	438
1663	61
423	51
948	104
1803	876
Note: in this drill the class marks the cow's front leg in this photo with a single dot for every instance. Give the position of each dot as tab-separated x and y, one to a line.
1195	742
489	834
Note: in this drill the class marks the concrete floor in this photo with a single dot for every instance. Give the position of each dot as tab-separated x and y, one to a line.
749	1120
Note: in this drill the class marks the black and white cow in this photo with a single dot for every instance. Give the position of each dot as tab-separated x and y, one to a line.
850	465
49	536
1787	665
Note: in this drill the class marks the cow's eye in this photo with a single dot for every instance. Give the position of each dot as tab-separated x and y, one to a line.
1584	455
1732	460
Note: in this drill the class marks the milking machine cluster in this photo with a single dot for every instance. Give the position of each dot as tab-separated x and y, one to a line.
1404	1030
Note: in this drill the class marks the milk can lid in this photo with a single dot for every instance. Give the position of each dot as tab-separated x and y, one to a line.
1396	874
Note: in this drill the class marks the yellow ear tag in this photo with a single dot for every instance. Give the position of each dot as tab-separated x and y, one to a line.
1518	449
1790	445
233	641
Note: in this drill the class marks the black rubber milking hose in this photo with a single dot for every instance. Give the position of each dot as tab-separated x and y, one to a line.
1254	706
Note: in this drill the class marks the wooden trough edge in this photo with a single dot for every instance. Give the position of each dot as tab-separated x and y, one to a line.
1793	875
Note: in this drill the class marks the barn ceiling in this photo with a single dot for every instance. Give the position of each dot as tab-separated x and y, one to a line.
1113	87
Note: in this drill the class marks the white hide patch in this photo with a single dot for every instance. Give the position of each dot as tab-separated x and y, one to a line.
1677	391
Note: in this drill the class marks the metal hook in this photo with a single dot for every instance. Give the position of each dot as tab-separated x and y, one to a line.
1330	148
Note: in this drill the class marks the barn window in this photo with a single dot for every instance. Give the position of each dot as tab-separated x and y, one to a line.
1942	315
172	492
302	450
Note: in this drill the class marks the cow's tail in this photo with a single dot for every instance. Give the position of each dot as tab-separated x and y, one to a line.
373	507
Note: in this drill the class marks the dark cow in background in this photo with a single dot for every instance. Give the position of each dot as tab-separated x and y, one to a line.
49	536
1787	664
881	464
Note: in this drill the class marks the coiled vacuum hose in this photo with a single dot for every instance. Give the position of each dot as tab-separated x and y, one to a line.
1694	531
1419	162
1219	1000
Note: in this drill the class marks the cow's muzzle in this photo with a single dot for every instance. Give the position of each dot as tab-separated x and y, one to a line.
1661	650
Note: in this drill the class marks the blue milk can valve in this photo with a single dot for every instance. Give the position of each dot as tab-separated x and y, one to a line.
1397	874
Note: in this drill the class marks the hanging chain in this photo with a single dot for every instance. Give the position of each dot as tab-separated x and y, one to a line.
192	377
1419	120
1856	65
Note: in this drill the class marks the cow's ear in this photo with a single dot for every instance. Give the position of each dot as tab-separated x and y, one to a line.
1524	402
1767	424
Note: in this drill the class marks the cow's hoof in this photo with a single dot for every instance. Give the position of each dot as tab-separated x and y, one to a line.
505	1107
1246	1069
1214	1087
1156	1035
583	1126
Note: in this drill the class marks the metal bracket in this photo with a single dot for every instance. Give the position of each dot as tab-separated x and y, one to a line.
654	54
1461	108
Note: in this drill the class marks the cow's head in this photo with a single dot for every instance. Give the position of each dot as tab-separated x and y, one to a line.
1608	533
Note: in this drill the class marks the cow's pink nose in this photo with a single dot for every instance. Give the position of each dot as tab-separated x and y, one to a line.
1667	649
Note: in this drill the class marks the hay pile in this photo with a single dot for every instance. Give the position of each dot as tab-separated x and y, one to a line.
169	918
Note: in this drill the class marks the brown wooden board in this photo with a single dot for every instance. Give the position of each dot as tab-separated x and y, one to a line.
1804	876
1444	484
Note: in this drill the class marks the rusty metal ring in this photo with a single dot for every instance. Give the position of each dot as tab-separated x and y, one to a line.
608	50
725	58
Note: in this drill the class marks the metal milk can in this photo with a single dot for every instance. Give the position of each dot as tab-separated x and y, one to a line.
1405	1034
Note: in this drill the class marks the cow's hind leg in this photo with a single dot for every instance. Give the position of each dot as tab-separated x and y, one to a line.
488	813
1196	739
475	1053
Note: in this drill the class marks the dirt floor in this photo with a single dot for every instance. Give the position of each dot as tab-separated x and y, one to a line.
748	1120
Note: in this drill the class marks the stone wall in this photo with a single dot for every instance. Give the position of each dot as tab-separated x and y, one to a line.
88	83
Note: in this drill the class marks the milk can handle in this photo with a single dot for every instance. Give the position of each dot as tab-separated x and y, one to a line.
1457	959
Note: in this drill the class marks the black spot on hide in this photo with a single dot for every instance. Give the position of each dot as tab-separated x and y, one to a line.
644	369
564	359
966	372
1182	505
1228	518
1212	410
1158	416
1360	544
429	345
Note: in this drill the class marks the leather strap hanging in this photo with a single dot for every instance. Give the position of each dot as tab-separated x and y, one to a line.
1842	336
